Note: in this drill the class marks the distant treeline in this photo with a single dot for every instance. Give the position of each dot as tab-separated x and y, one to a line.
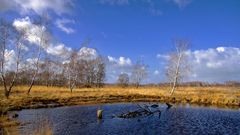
202	84
187	84
80	73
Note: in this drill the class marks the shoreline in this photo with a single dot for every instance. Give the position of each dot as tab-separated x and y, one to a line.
8	121
38	102
50	97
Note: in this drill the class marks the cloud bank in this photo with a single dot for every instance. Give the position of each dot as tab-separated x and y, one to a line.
214	64
37	6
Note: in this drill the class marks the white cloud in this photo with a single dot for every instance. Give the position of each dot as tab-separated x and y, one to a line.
218	64
163	56
121	61
111	59
220	49
182	3
87	53
35	33
32	61
114	2
38	6
61	24
116	66
10	59
215	64
124	61
58	50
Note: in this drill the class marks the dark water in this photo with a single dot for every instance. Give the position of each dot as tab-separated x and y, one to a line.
81	120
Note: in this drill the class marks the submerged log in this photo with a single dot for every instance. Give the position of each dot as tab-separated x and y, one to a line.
142	111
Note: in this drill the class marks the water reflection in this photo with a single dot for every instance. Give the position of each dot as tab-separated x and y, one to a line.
77	120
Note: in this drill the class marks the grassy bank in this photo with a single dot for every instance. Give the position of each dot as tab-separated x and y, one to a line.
42	96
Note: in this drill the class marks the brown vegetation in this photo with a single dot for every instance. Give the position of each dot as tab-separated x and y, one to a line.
43	96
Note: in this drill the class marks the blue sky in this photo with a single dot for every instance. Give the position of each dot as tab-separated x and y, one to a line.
134	29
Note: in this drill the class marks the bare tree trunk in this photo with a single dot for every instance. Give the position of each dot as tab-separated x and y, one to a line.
42	42
178	64
71	87
17	68
33	79
176	74
137	85
3	50
37	64
31	84
3	77
5	86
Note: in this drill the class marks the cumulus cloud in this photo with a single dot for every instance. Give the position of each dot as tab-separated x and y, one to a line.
37	6
218	64
215	64
35	33
87	53
58	50
121	61
116	66
114	2
61	24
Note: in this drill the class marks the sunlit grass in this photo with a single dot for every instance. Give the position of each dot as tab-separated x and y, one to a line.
211	95
42	96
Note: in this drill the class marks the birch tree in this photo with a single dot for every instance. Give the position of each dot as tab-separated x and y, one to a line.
177	66
100	71
72	70
10	49
123	80
139	73
42	37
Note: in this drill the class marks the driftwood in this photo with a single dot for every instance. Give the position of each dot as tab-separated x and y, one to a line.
144	111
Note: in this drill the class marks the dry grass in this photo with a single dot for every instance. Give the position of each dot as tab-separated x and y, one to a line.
8	126
45	95
42	96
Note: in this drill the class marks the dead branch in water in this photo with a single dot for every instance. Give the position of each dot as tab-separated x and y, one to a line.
142	111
